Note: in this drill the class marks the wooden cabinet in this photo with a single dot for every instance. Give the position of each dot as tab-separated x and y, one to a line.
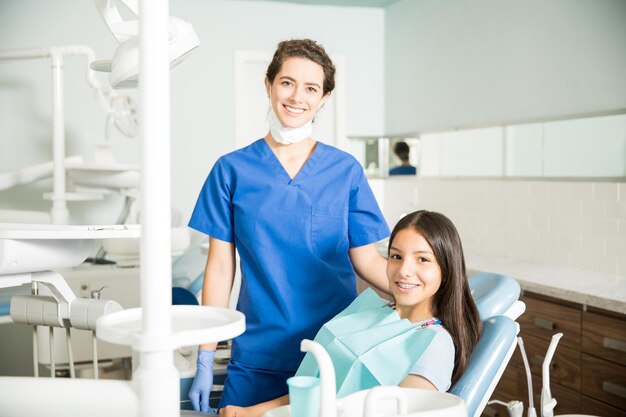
588	370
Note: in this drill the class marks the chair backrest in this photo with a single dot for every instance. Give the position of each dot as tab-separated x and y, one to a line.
487	363
497	300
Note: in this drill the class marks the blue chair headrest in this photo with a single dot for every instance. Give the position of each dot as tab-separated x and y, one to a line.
493	293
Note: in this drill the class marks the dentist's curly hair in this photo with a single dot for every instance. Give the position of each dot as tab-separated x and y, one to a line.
303	48
453	303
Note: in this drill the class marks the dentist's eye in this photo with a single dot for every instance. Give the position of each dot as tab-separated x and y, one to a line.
312	89
395	256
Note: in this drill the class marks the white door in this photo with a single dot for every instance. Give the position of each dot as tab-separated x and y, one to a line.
252	104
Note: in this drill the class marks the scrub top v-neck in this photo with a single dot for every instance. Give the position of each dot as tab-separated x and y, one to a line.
293	237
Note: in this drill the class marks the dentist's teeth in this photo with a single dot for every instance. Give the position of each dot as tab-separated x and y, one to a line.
294	110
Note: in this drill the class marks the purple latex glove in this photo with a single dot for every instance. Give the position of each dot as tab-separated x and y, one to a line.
202	383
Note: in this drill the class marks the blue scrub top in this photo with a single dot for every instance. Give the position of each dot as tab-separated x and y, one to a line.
293	238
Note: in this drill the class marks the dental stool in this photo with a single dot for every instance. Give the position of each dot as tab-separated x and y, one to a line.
496	297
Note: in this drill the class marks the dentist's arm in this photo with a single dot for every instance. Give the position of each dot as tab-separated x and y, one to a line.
370	266
218	282
219	275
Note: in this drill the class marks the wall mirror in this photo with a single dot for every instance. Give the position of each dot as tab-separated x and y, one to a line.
591	146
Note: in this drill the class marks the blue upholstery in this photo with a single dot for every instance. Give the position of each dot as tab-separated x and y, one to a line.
487	363
182	296
493	293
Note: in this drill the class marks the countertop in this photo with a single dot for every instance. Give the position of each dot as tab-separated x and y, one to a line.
588	288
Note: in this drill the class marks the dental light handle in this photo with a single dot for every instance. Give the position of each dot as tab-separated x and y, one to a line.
547	401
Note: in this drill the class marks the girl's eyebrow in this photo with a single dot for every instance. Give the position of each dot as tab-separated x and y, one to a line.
417	251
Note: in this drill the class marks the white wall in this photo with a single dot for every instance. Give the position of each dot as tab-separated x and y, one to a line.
455	63
202	86
574	224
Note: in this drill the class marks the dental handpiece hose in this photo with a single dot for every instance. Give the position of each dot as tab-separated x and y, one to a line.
531	406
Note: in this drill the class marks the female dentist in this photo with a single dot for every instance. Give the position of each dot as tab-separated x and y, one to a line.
304	220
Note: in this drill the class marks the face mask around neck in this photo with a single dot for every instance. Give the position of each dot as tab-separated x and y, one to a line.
287	135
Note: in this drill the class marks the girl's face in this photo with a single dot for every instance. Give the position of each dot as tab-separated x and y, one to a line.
414	275
296	92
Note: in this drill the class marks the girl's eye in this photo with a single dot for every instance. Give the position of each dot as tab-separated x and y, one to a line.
286	83
394	256
422	259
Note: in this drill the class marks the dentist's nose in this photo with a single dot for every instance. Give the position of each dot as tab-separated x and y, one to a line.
296	95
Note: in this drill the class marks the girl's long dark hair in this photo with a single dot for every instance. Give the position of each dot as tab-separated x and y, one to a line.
453	303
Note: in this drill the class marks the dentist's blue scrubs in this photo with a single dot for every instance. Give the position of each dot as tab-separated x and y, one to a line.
293	237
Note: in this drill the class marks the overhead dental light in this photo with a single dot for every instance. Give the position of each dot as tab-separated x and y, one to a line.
124	66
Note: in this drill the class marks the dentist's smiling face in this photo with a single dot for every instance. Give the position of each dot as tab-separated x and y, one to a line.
296	93
414	275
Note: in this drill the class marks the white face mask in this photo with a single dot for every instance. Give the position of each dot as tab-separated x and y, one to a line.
287	135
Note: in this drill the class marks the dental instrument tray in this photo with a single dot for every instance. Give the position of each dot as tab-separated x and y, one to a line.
28	248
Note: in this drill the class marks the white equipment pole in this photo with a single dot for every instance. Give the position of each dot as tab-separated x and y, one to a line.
157	378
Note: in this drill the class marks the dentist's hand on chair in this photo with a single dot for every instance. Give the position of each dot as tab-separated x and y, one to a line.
202	383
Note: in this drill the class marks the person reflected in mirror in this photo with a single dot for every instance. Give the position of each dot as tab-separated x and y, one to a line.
428	283
304	222
401	149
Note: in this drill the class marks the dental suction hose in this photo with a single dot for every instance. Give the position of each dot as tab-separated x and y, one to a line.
328	386
547	401
531	406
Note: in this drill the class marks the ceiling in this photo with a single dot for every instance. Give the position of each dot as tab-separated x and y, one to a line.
346	3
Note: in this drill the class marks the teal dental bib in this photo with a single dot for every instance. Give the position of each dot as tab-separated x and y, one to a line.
369	345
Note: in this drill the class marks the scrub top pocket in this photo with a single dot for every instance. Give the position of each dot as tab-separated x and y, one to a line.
329	230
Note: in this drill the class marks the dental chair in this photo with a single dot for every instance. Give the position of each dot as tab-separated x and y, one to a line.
496	297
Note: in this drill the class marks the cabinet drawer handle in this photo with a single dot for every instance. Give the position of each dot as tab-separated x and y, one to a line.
613	388
607	342
544	324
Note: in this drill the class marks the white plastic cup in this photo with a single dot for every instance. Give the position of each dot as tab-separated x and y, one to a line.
304	396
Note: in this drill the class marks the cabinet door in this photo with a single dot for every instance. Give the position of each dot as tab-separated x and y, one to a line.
604	380
596	408
543	319
604	337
